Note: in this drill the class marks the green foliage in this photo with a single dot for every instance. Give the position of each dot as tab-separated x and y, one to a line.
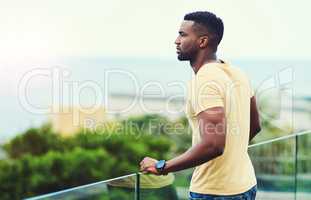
33	175
147	124
182	135
40	161
35	141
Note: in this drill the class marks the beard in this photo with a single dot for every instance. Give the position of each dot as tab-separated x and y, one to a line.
184	56
187	55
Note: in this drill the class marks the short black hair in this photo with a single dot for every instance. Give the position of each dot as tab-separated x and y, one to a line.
209	21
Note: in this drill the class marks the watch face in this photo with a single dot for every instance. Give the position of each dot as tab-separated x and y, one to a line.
160	164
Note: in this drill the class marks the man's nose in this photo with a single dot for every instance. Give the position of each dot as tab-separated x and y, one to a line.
177	41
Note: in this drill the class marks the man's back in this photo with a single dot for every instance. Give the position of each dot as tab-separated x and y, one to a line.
216	85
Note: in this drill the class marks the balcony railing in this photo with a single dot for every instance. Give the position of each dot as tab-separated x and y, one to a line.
282	165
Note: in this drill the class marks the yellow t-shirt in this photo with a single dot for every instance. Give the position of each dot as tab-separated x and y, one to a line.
219	84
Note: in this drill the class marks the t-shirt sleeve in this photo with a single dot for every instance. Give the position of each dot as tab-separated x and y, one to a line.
207	94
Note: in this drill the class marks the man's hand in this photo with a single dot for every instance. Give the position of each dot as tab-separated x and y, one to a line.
148	165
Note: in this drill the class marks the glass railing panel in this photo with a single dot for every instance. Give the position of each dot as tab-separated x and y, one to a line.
119	188
174	186
182	183
304	167
157	187
282	170
274	165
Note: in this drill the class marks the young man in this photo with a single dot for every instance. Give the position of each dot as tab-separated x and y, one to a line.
222	112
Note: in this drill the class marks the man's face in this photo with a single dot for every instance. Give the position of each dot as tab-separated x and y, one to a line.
186	42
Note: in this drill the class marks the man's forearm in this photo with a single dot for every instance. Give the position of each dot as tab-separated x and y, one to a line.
195	156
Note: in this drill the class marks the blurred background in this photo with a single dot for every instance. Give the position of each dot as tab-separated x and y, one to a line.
89	88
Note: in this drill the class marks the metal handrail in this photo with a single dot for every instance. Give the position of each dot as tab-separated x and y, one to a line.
280	138
80	187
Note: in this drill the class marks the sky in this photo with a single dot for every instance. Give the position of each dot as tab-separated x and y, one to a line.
36	29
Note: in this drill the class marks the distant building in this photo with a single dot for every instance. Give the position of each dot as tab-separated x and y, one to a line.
118	106
124	105
71	119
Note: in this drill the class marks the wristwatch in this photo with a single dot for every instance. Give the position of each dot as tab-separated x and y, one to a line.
160	166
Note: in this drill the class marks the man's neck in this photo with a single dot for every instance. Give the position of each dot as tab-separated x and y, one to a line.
202	59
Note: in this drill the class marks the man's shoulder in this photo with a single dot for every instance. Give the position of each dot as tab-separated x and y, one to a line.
223	74
211	71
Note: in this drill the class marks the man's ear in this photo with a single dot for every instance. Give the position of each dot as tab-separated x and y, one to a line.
203	41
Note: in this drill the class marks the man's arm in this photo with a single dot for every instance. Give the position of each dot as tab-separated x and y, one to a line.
213	138
254	119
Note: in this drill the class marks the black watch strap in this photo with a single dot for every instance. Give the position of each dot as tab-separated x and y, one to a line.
160	165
